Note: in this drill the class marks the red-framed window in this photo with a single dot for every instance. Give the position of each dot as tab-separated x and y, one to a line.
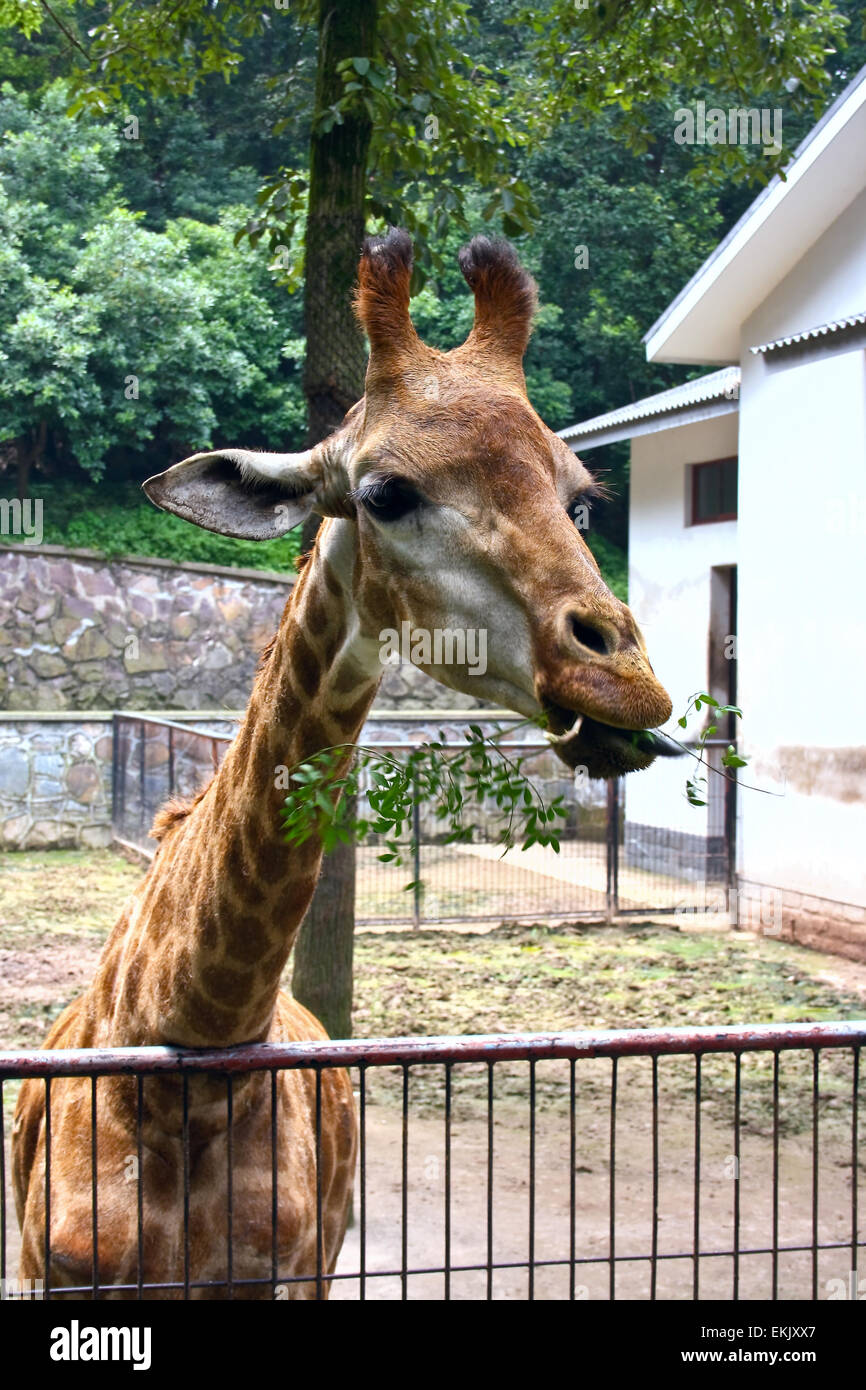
713	494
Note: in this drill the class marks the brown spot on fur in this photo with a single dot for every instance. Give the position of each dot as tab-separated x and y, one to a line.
315	612
272	859
351	717
291	903
332	583
312	735
230	986
333	640
305	666
250	940
375	599
206	1018
348	677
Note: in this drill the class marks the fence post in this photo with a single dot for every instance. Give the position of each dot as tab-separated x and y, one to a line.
416	857
115	770
141	777
612	848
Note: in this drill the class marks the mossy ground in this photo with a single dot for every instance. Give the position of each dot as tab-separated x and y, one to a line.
57	907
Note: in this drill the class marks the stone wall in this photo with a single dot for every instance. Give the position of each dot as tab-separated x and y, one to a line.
81	632
55	780
56	770
55	784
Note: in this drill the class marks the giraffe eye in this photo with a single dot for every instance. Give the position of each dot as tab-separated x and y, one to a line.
387	499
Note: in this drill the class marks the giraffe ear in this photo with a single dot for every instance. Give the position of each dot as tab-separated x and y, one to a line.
237	492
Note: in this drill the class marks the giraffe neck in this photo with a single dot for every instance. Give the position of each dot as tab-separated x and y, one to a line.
199	958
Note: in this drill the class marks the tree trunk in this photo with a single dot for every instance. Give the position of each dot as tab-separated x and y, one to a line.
322	976
333	381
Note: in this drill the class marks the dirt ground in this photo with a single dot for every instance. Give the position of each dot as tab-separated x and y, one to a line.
56	908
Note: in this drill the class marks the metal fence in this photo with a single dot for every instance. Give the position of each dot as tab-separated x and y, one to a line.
664	1164
608	864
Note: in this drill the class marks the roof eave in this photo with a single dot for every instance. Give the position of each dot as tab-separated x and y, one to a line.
702	324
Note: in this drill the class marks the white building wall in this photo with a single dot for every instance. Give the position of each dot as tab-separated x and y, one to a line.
669	594
802	648
802	644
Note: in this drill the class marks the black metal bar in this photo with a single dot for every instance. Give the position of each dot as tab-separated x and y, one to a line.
855	1160
489	1180
156	722
561	1263
815	1101
696	1241
572	1177
637	1042
47	1281
404	1206
655	1197
737	1102
617	810
139	1195
611	844
274	1186
448	1066
320	1233
94	1206
2	1189
776	1061
575	1046
532	1066
612	1179
230	1118
186	1177
362	1106
171	759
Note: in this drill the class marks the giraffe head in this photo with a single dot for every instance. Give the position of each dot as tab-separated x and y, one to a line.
460	506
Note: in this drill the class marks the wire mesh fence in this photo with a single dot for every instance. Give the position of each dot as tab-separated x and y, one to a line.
607	864
671	1164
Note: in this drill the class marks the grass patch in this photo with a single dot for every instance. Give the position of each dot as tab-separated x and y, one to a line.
58	906
117	519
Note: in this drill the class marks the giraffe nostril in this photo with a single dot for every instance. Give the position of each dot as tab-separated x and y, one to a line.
588	636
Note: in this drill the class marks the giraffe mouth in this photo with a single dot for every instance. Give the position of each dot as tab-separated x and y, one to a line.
602	751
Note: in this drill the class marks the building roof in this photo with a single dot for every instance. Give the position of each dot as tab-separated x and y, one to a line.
827	173
823	329
715	394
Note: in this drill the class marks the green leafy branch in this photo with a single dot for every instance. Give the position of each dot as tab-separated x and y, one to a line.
696	786
324	794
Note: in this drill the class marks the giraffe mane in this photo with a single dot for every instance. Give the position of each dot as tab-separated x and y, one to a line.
174	811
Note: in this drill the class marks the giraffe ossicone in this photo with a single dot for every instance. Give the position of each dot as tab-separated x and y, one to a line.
448	507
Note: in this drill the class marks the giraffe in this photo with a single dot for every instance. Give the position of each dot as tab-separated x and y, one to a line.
447	503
